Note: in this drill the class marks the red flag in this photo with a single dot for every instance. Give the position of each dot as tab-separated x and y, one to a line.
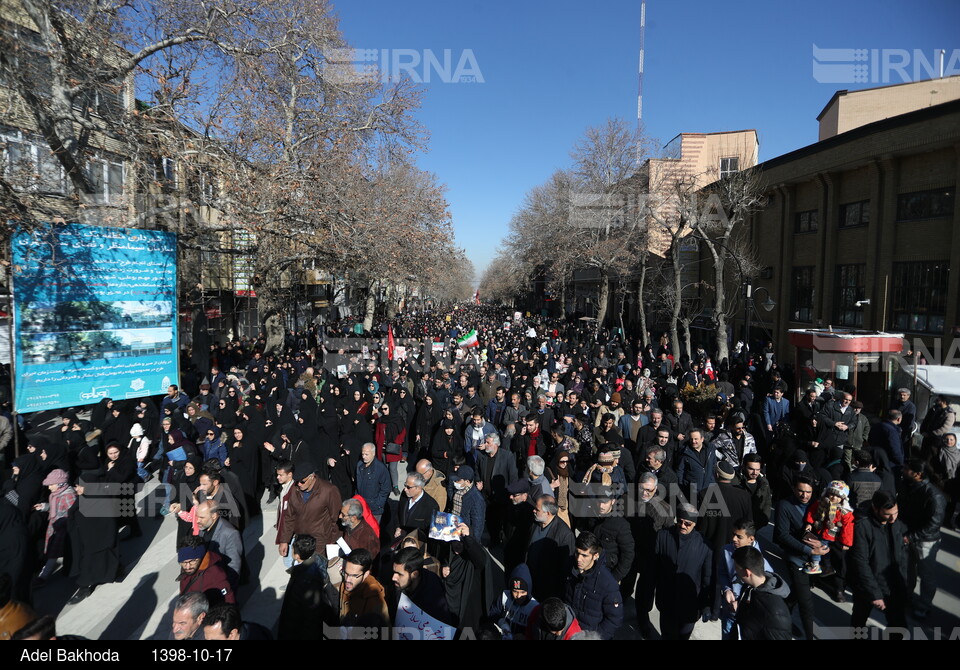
390	343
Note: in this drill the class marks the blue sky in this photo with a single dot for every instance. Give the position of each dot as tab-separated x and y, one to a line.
552	69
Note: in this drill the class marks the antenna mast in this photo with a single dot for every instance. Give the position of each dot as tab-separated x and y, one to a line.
643	25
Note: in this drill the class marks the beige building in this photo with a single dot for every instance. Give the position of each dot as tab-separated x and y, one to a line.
852	109
690	162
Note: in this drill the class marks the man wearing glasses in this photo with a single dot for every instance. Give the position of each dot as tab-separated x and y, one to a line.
681	572
416	508
360	598
652	514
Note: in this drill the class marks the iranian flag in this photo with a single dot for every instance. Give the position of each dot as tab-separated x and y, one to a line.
468	340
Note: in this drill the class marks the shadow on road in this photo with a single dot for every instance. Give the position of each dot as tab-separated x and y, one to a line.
130	618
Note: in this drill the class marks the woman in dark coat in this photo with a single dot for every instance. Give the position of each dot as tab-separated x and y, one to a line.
25	488
14	550
425	426
53	456
118	430
185	482
94	541
121	468
389	428
244	462
446	447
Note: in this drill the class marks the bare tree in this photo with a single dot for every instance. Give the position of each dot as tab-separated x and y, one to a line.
604	223
726	205
250	125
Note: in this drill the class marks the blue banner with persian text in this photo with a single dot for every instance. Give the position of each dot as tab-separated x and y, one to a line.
95	315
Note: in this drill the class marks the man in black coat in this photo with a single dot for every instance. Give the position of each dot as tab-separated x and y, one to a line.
722	505
651	516
755	483
680	422
416	508
762	612
496	470
304	611
647	436
519	524
550	550
878	574
681	573
613	532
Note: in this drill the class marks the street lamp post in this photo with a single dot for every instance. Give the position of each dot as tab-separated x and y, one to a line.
748	305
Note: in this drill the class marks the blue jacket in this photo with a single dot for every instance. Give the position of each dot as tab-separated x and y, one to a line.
774	412
692	470
789	520
374	485
473	509
886	436
595	598
214	449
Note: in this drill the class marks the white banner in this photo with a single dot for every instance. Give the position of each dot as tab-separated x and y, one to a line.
412	623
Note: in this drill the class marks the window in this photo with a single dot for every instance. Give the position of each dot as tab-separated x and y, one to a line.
807	222
106	102
851	288
106	173
203	187
26	160
801	295
26	58
925	205
855	214
729	166
919	296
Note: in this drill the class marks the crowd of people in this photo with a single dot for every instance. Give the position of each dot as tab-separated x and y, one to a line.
583	471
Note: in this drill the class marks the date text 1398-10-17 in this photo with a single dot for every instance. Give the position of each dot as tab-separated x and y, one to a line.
199	654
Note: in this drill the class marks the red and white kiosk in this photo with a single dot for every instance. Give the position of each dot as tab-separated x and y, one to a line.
862	359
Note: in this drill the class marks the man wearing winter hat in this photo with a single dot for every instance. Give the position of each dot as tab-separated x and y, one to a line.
681	572
512	609
722	504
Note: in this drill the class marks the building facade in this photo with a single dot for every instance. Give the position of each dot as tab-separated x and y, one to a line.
860	230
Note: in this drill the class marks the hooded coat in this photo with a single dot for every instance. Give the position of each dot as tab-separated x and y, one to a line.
762	612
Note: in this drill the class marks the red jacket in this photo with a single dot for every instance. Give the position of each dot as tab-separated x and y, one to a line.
533	625
281	513
842	519
210	576
382	437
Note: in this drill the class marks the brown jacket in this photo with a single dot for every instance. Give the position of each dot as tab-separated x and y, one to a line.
317	516
363	604
436	488
363	537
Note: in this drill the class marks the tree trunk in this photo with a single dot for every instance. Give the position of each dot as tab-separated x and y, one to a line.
686	337
677	302
720	310
641	309
604	299
623	304
370	306
563	300
391	301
